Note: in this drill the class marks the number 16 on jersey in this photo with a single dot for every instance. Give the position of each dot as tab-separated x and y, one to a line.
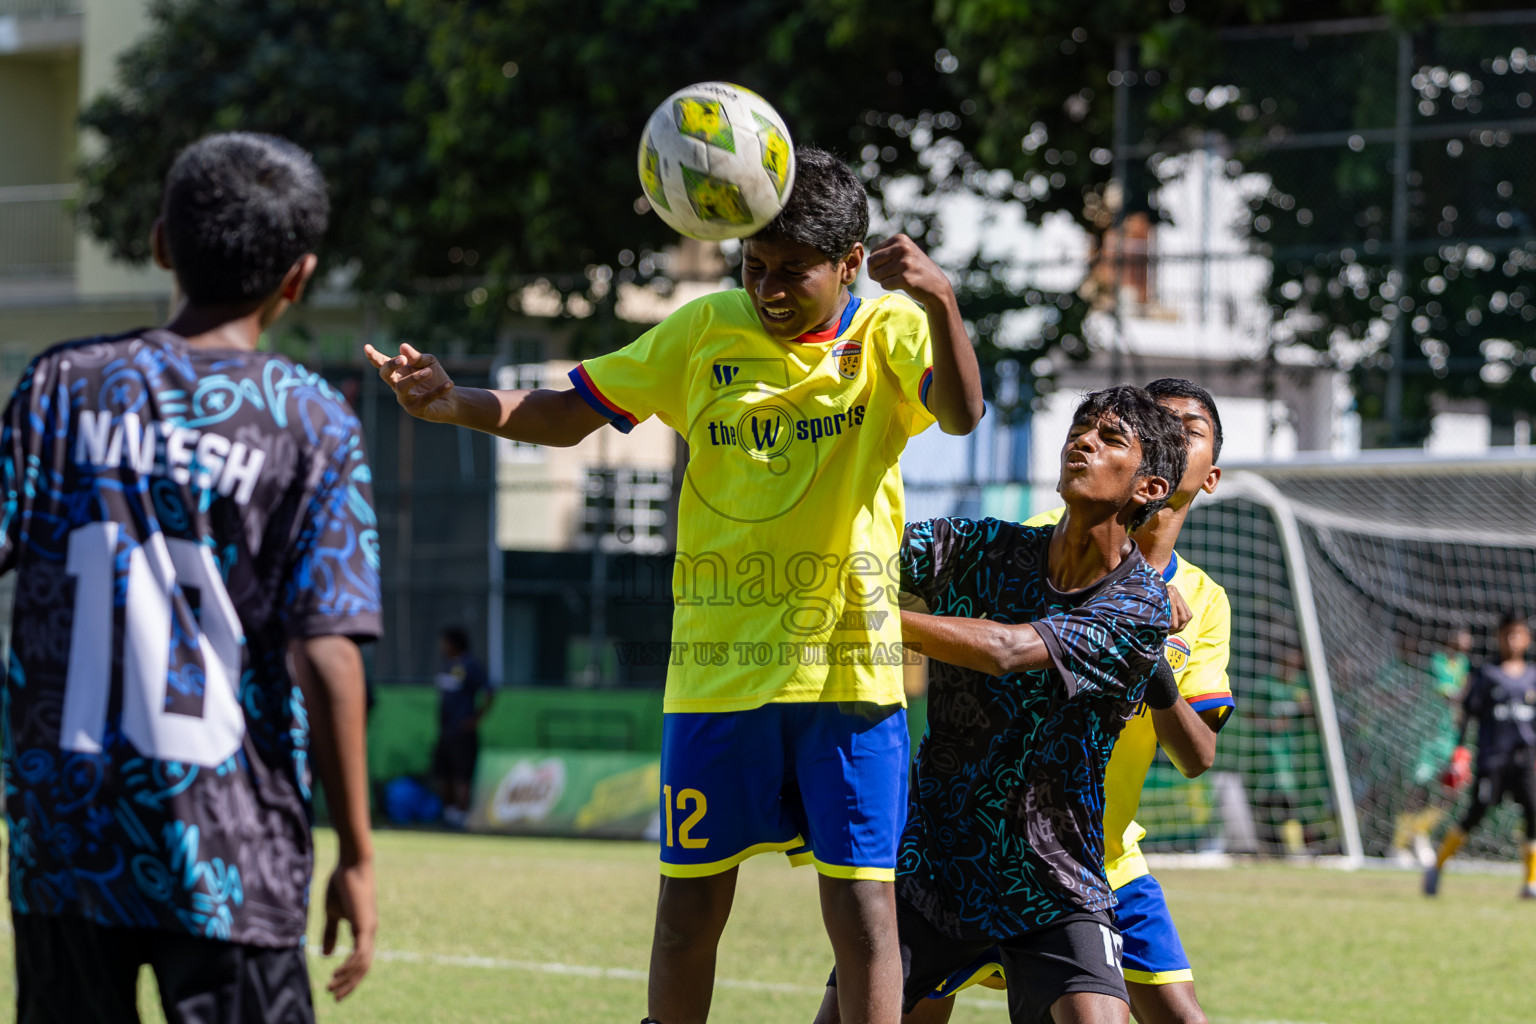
157	569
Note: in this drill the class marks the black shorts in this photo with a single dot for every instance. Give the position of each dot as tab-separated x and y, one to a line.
1513	775
454	759
1079	954
70	970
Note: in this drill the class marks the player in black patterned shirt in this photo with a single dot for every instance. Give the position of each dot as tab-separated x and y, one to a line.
1044	641
188	517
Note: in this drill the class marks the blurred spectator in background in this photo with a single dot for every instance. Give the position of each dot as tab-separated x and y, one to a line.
1502	700
1431	789
1283	712
463	697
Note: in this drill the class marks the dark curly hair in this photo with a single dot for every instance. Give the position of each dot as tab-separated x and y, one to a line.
1161	434
240	211
828	208
1178	387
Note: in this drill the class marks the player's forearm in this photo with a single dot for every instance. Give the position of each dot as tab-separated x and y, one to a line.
1186	738
955	394
994	648
558	419
329	670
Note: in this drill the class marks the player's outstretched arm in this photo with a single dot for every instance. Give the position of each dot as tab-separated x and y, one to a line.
329	670
995	648
955	395
424	389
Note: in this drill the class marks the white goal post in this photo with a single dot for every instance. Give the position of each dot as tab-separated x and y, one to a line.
1369	565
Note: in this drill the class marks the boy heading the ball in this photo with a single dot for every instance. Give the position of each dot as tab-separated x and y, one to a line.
1043	639
796	399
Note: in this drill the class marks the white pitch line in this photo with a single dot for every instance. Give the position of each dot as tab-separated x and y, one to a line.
491	963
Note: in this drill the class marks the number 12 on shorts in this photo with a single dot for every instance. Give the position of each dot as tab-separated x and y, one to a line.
156	568
686	798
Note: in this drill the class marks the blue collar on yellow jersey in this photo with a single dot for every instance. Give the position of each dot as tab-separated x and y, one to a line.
832	334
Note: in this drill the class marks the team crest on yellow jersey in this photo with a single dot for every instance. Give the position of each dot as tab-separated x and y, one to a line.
849	356
1177	652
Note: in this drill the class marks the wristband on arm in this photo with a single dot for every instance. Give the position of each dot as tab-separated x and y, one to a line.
1162	689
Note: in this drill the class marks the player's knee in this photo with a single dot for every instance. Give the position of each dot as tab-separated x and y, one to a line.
858	908
1167	1004
690	911
679	933
861	897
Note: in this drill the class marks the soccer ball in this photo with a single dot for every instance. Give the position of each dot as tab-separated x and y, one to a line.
716	161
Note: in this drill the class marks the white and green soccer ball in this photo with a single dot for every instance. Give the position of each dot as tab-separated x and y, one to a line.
716	161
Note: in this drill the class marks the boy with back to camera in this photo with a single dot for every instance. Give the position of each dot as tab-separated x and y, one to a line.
196	553
785	727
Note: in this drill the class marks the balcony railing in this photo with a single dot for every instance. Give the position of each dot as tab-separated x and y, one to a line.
40	8
37	229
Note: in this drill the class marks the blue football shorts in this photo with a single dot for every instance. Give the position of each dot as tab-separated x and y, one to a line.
825	784
1151	953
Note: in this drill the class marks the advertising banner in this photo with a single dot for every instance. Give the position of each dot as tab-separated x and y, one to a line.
567	793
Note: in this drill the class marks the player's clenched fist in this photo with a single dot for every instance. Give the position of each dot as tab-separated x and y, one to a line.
897	263
421	385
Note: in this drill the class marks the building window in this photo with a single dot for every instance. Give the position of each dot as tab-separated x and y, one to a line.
519	377
627	508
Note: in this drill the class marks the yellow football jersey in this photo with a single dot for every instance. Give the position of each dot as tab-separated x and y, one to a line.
792	509
1198	656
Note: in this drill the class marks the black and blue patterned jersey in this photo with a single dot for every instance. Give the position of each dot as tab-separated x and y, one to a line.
174	515
1005	824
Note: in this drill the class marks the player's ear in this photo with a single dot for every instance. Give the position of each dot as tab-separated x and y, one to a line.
298	277
1153	488
849	269
1211	480
159	247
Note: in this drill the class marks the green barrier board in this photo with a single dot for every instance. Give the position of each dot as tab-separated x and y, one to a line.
567	793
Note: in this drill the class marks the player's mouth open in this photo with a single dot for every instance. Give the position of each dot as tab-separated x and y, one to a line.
776	316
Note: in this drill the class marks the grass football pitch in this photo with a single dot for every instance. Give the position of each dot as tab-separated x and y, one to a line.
527	930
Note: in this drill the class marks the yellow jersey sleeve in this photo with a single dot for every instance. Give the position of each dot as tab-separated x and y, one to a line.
909	357
647	377
1050	518
1203	682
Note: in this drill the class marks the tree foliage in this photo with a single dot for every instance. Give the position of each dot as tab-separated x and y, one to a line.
1468	293
474	145
1465	302
336	76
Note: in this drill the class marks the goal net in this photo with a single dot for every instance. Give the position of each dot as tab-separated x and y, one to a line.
1348	583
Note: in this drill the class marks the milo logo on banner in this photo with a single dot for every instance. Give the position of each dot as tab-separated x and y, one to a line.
566	793
528	792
